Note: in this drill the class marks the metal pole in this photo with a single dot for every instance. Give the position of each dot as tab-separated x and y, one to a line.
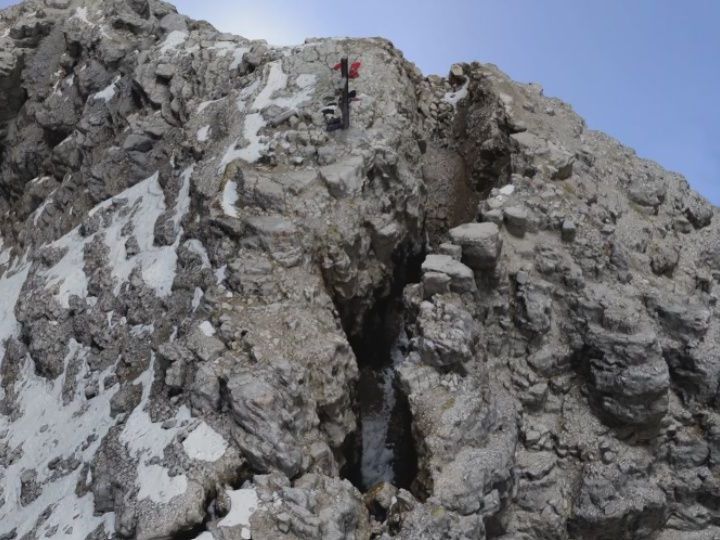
346	93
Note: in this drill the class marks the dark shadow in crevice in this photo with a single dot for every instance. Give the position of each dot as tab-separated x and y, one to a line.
381	407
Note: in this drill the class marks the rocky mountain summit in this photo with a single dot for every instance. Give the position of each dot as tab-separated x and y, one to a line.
468	316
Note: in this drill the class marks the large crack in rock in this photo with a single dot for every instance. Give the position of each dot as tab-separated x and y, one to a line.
383	449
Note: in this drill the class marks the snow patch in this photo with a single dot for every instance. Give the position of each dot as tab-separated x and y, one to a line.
107	93
305	80
68	274
207	328
276	81
453	98
205	104
238	55
223	46
173	40
245	93
146	203
221	274
243	503
140	330
39	212
205	444
4	253
230	197
182	205
81	14
197	298
507	190
46	429
203	133
158	486
146	441
253	150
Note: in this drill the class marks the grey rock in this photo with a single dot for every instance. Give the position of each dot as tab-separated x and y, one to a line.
462	279
125	400
613	505
516	220
568	230
435	283
481	244
451	250
446	334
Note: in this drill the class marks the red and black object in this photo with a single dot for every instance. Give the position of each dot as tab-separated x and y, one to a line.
347	71
354	70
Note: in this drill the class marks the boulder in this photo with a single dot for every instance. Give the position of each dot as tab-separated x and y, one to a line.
516	220
480	242
462	279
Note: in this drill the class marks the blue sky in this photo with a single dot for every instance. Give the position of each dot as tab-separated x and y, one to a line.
645	71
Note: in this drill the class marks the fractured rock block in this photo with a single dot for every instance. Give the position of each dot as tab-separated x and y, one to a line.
516	220
481	244
461	278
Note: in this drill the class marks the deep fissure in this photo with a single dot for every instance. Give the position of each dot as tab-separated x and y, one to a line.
383	448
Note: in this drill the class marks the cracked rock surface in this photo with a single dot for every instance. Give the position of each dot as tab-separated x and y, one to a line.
188	260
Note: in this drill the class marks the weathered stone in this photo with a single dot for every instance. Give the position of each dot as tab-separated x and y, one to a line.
568	230
481	244
516	220
462	279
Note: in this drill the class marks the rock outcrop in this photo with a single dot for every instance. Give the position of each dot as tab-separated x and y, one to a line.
194	273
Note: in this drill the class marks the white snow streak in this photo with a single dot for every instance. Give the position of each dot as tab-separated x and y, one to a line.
230	197
255	146
453	98
107	93
276	81
205	104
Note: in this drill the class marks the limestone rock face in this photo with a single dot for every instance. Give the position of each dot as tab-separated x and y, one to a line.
198	280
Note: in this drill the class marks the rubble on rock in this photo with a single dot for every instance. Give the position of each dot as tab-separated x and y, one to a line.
194	273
